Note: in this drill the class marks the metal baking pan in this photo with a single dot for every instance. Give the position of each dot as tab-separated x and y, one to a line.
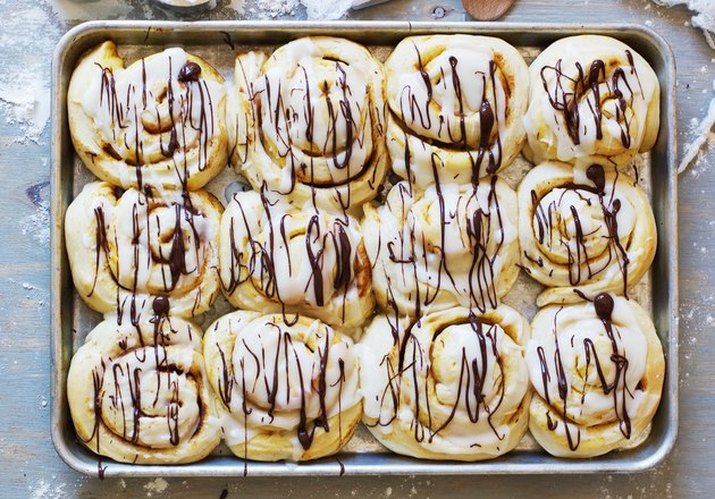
218	43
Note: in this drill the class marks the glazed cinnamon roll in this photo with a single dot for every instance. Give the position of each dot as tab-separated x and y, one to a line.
457	103
288	390
598	369
275	257
449	245
138	393
593	100
309	121
454	385
159	121
125	248
584	232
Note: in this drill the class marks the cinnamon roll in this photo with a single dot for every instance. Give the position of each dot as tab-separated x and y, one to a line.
454	385
584	232
159	122
137	391
449	245
126	247
598	370
457	103
277	258
309	121
288	390
593	100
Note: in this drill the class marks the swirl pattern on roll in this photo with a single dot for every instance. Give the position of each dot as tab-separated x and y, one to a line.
309	121
449	245
126	247
593	100
288	391
584	232
457	103
598	369
159	122
454	385
277	258
138	393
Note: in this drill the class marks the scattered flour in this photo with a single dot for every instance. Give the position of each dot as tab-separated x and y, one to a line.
238	5
25	93
320	9
315	9
694	329
37	224
158	486
46	490
27	106
87	10
703	135
34	294
276	8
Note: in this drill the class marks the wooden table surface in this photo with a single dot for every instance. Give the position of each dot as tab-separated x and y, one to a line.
29	466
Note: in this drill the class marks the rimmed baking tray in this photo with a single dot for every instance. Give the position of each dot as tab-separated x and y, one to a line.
71	320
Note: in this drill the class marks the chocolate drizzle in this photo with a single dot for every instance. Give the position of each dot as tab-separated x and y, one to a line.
101	470
603	306
583	266
160	305
148	249
182	115
416	113
590	90
411	360
482	230
286	126
261	254
274	378
190	72
121	383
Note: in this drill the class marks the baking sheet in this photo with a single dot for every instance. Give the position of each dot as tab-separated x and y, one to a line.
218	42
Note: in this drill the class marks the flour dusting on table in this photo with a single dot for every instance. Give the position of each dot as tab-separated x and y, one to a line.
25	92
703	135
47	490
322	10
37	224
156	486
275	8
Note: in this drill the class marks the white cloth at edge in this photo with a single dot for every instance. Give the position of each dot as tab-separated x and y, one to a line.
705	20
